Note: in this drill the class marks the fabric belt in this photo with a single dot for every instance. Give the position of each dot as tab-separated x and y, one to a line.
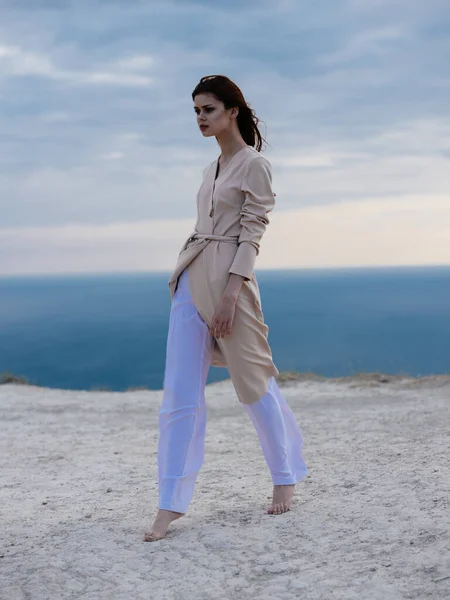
232	239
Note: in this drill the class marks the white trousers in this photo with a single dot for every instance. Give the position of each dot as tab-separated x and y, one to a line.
182	416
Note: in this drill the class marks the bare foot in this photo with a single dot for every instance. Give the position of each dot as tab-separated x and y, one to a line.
282	499
160	525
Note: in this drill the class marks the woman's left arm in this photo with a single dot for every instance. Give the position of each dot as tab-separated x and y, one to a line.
233	287
259	201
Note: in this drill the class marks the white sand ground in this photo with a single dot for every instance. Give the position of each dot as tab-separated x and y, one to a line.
371	521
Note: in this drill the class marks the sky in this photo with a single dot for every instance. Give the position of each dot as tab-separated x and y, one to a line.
101	157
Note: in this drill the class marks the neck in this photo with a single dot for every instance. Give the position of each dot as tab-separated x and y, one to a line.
230	142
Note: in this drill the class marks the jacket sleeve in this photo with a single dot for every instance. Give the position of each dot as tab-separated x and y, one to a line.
259	201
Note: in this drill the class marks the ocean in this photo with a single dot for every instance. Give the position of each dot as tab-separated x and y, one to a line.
110	331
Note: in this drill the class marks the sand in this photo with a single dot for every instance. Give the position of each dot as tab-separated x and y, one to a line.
371	520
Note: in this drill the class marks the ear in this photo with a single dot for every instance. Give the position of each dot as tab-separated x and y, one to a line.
234	112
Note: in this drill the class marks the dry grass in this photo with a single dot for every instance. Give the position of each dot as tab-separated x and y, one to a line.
286	378
368	379
8	377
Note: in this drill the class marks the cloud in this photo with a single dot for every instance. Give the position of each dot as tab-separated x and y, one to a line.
144	246
15	62
57	117
373	42
389	231
413	158
124	177
97	120
136	63
112	156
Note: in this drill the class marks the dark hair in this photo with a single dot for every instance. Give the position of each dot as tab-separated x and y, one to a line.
229	93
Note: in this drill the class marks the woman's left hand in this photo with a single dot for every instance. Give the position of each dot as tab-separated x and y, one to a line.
222	320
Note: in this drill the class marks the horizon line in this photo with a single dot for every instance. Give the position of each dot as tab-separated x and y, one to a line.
261	271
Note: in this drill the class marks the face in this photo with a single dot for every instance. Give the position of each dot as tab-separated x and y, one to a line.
212	116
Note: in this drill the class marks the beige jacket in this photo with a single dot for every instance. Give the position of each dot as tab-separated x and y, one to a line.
231	219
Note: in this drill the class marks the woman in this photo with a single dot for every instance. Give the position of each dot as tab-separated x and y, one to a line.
216	316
